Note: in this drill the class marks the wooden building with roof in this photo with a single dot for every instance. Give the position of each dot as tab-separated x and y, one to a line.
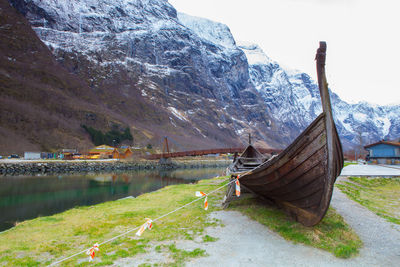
109	152
103	152
125	152
384	152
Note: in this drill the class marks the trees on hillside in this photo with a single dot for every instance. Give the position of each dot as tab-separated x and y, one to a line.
111	138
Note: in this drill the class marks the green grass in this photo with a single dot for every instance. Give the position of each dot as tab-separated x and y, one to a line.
180	255
349	163
331	234
208	238
177	256
380	195
46	239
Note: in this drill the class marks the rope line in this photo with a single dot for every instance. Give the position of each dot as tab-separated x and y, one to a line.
131	230
198	199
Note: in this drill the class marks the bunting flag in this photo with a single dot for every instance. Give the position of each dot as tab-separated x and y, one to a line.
147	225
92	250
205	203
237	186
202	194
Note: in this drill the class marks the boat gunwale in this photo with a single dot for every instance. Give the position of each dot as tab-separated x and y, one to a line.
273	160
291	171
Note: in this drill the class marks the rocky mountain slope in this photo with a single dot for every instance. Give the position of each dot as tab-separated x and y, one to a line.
141	64
293	97
37	96
134	54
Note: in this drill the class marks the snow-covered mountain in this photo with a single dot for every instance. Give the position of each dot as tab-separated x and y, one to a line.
293	97
142	53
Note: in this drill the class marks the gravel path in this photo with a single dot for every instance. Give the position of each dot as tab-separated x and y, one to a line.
371	170
244	242
381	238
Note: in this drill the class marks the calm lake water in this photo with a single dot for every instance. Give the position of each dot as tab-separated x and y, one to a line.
27	197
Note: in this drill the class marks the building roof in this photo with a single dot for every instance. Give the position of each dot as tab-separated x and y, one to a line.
124	150
102	149
121	150
68	150
393	143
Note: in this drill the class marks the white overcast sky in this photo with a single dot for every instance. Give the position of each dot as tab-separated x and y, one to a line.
363	38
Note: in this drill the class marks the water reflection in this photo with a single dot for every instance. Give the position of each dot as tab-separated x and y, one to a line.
26	197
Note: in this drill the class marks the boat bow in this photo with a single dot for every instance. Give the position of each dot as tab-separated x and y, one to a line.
301	178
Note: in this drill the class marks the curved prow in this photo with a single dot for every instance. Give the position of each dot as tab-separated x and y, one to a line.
301	178
322	83
333	141
334	146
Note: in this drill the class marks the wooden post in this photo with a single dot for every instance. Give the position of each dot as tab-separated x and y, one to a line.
244	193
165	145
230	191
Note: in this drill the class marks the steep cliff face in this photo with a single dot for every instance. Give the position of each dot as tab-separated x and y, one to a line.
161	72
139	53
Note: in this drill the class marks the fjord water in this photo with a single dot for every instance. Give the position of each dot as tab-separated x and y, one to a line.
27	197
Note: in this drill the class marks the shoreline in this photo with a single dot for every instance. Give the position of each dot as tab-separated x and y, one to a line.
37	167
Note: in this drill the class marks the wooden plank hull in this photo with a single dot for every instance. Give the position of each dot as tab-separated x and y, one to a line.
248	160
301	178
298	179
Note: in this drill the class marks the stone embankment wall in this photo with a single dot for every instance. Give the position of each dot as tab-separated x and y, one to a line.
87	166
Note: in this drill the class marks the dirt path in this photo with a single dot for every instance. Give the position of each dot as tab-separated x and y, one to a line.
381	238
243	242
371	170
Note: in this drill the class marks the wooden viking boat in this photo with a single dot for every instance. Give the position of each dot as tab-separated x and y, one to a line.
300	179
248	160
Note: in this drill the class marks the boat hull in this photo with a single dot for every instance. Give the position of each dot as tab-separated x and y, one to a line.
300	179
248	160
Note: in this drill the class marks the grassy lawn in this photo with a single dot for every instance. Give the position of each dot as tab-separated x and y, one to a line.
380	195
46	239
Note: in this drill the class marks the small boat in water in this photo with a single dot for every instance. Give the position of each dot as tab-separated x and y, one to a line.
300	179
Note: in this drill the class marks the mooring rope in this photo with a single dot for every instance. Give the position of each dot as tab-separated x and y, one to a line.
136	228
